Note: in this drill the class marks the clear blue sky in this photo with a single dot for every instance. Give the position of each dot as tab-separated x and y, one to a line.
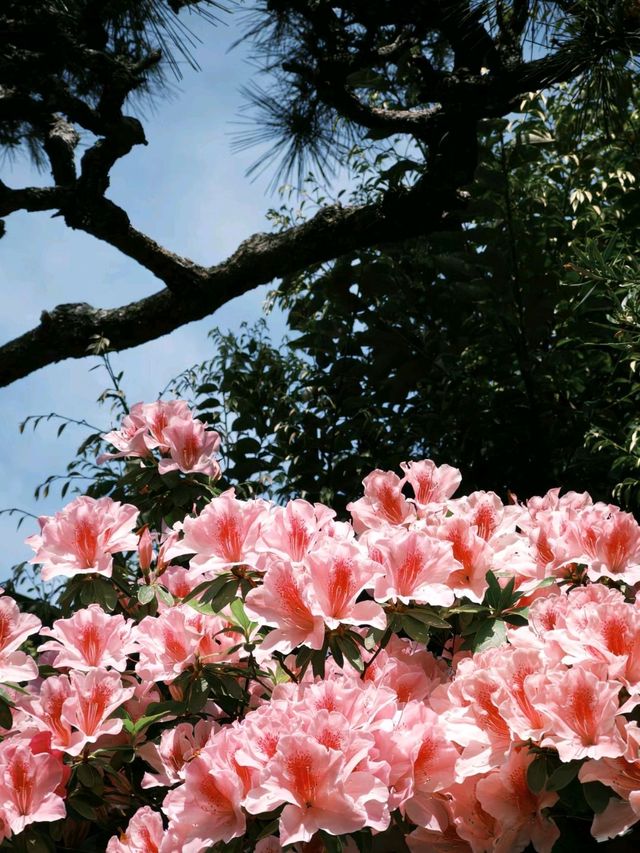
186	190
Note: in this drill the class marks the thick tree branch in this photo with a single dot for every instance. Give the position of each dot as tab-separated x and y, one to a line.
67	331
30	198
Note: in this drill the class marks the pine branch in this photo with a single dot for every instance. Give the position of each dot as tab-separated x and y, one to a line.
68	330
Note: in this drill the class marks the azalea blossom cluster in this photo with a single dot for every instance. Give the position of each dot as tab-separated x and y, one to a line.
451	671
185	444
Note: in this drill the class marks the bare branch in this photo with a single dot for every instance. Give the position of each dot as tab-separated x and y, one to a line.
30	198
67	331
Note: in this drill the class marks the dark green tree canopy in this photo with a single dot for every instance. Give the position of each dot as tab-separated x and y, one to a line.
334	72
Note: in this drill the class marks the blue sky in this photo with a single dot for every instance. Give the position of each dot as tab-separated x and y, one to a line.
186	190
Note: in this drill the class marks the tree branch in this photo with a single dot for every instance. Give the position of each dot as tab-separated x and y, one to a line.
67	331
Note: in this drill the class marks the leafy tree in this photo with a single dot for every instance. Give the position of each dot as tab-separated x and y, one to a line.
337	72
478	348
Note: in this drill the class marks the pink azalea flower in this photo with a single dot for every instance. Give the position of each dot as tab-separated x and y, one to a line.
423	840
129	440
143	835
416	568
15	627
179	581
472	555
168	644
582	710
383	502
505	795
284	602
408	669
92	698
90	638
422	763
223	535
571	502
83	537
29	785
207	807
157	417
525	675
431	484
622	775
551	547
472	823
339	573
291	531
317	788
46	709
600	633
471	713
610	542
191	448
486	512
177	747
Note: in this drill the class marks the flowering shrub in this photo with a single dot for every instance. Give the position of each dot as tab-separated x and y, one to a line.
438	674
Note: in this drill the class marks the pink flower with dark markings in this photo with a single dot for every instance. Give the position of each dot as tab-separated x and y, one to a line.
339	572
76	709
15	627
94	697
143	835
223	535
383	502
581	711
284	602
318	788
129	440
472	558
157	417
608	542
415	567
83	537
291	531
176	748
191	448
518	812
29	784
90	638
207	807
431	484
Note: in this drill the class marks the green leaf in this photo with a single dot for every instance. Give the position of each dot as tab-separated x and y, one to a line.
597	795
428	617
165	596
490	634
515	619
537	775
106	595
563	775
467	608
6	717
351	651
214	585
415	629
318	662
336	651
88	776
240	616
494	592
224	596
146	593
83	807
